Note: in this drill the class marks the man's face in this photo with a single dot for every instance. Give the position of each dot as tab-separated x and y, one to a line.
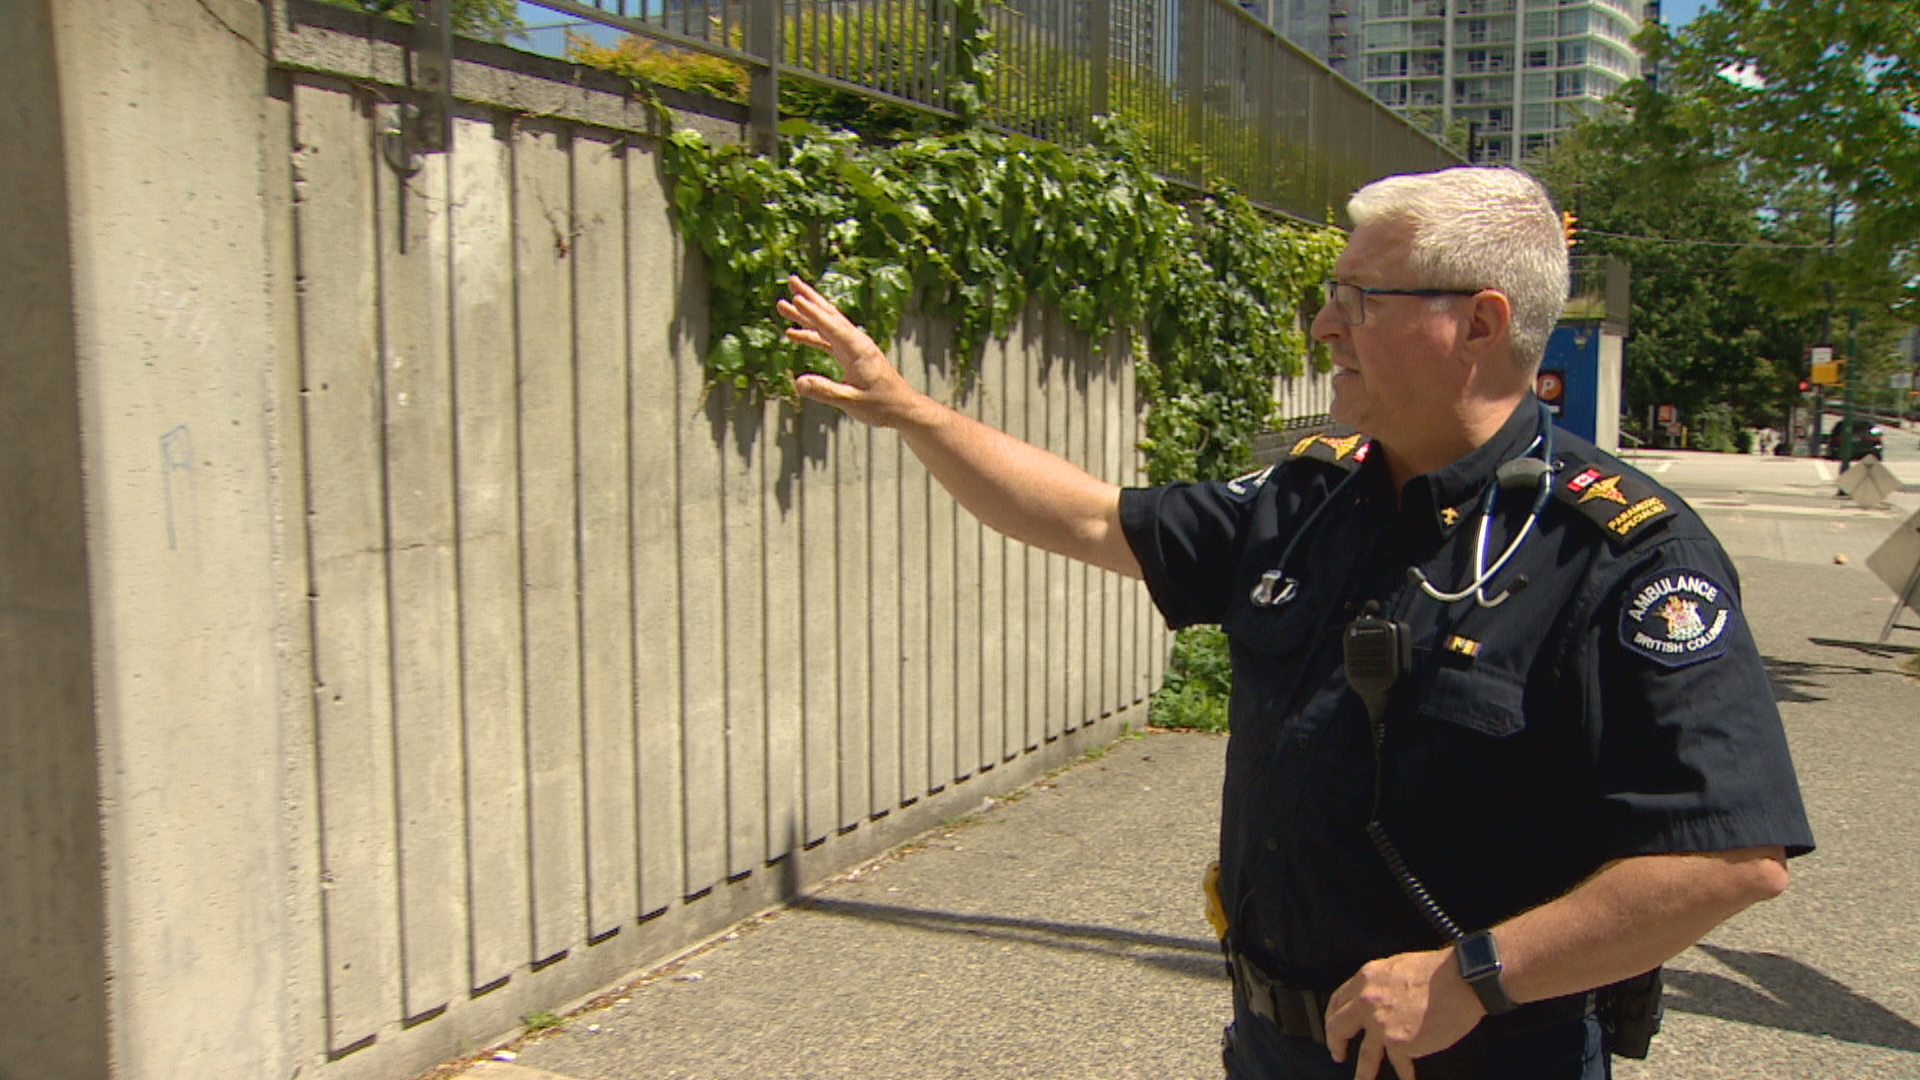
1396	374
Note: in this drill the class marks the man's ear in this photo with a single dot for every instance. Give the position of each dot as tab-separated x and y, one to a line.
1489	323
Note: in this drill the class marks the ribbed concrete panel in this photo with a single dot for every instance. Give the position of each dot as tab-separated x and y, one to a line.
913	568
941	598
995	673
1017	387
819	643
416	377
657	275
603	352
549	531
487	452
883	621
743	663
784	588
601	657
853	613
346	541
703	635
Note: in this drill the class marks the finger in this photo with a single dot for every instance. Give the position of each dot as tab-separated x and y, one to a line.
1368	1065
824	390
1402	1066
808	337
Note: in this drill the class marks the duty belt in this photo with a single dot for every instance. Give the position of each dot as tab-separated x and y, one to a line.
1302	1014
1298	1013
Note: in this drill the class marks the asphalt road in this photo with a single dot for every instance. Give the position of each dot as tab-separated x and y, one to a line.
1060	933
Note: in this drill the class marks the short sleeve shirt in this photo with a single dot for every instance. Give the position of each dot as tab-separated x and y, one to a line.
1613	704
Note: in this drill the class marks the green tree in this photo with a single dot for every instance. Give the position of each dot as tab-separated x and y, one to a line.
494	20
1692	230
1819	103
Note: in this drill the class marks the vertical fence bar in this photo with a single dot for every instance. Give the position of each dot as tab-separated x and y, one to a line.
763	41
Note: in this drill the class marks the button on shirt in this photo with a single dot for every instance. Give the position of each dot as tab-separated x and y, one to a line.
1613	705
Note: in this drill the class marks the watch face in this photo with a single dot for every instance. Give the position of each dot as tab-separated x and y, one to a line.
1478	955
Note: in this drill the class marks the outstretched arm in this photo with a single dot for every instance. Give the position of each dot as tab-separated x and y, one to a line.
1017	489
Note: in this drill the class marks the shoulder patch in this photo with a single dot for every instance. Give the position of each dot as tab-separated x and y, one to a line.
1677	617
1623	503
1346	451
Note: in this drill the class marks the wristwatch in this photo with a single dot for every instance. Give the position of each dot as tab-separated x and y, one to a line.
1479	960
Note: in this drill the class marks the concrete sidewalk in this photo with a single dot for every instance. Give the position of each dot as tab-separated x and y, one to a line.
1060	934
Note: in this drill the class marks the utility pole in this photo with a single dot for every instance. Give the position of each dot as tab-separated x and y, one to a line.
1826	330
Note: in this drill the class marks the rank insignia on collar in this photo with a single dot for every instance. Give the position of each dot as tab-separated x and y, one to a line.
1463	646
1339	450
1677	617
1449	516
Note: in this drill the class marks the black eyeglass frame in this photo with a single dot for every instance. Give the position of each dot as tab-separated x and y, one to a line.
1330	287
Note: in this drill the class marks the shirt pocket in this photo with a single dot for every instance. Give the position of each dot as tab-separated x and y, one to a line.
1482	698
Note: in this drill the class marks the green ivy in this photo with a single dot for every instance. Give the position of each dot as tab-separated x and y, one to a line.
969	226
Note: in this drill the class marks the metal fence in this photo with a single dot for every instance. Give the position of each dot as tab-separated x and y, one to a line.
1214	94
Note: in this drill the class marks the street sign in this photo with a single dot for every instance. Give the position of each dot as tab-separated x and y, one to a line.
1828	374
1868	482
1551	388
1820	354
1897	562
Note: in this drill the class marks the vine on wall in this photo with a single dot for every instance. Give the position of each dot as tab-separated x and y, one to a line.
968	226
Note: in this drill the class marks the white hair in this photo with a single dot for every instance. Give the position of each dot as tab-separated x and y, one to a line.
1480	228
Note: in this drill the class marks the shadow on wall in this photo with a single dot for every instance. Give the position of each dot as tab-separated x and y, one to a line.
1790	996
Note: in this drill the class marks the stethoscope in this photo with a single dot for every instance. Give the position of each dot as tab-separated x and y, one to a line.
1532	469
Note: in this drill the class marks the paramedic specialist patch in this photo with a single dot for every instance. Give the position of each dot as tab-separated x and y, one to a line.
1677	617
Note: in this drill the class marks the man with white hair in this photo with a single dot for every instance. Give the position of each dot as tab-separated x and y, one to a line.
1501	742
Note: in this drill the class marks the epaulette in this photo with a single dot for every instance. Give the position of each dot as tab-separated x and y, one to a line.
1344	451
1622	502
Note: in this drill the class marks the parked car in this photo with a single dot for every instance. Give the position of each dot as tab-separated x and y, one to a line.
1867	439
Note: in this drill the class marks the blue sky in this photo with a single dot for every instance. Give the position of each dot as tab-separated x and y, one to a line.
1681	12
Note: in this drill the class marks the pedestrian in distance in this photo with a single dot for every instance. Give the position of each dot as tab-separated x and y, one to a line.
1502	743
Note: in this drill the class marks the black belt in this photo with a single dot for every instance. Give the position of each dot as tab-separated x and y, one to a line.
1299	1013
1302	1014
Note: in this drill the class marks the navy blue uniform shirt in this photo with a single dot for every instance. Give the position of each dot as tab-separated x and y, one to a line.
1614	705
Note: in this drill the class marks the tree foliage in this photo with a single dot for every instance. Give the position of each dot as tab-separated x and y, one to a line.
1819	103
494	20
1680	215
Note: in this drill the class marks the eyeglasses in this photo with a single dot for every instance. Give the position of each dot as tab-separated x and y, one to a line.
1351	300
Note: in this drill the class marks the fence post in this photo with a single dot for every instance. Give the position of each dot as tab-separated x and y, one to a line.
1100	48
763	94
1193	79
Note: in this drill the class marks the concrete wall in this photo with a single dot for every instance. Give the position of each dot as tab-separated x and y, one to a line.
399	637
51	920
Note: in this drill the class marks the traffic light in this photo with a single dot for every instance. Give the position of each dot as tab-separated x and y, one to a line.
1805	386
1568	223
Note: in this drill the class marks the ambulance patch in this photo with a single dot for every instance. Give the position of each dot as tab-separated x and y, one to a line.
1677	617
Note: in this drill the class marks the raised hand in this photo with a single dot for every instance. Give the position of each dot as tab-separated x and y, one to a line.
874	392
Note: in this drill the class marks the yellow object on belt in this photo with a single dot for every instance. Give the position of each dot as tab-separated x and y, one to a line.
1216	911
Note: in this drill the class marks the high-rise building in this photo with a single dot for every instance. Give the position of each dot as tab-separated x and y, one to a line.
1518	72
